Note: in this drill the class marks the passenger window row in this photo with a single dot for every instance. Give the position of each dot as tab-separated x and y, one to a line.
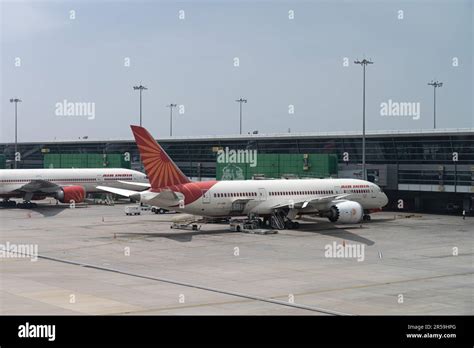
274	193
51	180
311	192
357	191
235	194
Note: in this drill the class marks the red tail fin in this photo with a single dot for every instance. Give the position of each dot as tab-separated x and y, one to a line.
161	170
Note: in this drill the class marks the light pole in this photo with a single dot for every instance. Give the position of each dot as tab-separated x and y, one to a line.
140	88
363	63
435	85
241	100
16	101
171	106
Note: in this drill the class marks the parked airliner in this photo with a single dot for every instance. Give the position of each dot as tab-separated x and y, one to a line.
67	185
276	201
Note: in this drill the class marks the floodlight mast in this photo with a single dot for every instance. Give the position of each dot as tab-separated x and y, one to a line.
363	63
171	106
435	84
140	88
16	101
240	101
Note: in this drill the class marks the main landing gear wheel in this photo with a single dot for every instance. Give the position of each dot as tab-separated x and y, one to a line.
8	204
26	205
291	225
366	217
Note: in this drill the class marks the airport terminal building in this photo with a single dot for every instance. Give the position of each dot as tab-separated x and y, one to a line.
419	170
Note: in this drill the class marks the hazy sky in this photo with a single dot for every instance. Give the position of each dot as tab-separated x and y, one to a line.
190	62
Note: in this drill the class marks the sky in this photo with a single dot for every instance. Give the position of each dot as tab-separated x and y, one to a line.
292	66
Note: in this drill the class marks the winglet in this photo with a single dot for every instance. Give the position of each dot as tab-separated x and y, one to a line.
159	167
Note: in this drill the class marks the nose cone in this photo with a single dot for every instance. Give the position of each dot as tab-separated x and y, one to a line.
384	200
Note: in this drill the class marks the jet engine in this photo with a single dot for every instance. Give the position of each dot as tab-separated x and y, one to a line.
77	194
347	212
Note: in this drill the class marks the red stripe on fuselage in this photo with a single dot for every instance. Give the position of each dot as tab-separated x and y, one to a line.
192	191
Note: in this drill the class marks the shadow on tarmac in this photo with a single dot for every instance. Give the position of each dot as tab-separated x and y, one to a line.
47	210
329	229
177	235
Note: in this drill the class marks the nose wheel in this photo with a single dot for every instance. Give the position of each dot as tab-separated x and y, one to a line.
366	217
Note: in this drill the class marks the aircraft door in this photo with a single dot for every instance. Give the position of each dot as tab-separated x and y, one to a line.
206	196
262	194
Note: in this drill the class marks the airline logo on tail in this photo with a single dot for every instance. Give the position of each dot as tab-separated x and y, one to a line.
161	170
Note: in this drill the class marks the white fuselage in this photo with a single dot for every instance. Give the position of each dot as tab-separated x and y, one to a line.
12	180
262	196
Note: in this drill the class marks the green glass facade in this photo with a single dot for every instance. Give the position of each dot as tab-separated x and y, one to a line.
89	160
278	165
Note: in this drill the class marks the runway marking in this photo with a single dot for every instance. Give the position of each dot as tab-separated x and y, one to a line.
161	309
386	283
88	304
200	287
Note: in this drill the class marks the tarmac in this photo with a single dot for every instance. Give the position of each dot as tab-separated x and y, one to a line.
94	259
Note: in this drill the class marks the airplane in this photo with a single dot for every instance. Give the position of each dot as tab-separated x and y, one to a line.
277	202
67	185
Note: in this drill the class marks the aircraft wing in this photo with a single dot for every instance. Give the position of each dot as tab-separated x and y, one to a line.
167	196
303	203
42	186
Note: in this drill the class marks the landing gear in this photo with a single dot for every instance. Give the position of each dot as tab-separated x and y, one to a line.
26	205
8	204
265	222
366	217
291	225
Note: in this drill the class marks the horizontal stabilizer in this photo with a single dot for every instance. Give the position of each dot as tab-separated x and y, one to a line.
121	192
168	195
